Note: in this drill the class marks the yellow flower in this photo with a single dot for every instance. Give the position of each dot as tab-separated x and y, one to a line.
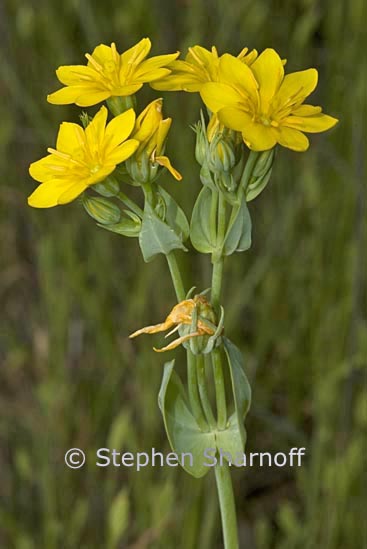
265	105
181	315
151	131
82	158
200	66
109	74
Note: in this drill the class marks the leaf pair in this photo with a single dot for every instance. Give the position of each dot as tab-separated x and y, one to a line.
183	432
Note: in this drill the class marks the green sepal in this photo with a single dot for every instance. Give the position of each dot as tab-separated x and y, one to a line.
156	237
126	227
238	236
183	432
200	233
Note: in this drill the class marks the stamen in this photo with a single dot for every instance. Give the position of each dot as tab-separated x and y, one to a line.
93	62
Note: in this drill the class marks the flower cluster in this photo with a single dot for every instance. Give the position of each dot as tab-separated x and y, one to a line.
249	97
85	157
251	94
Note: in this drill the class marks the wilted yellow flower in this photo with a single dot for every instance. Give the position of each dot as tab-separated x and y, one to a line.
181	315
264	104
109	74
82	158
151	131
199	67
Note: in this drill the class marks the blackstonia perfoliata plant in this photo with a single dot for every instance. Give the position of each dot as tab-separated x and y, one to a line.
251	106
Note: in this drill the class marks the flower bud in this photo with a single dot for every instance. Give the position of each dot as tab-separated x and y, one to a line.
151	130
108	187
221	156
261	174
102	210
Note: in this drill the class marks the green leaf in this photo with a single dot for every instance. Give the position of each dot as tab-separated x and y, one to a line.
200	223
238	237
156	237
183	432
242	397
175	216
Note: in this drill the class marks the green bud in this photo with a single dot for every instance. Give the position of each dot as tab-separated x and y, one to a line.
201	145
264	163
221	157
102	210
140	169
128	226
85	119
206	177
108	187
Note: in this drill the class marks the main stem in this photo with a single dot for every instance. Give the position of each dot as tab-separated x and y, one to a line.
227	505
222	473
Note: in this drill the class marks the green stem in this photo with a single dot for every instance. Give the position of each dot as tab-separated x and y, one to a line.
220	392
194	396
176	276
130	204
217	283
227	505
200	370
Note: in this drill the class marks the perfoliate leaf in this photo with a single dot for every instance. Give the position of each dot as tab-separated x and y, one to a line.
156	237
183	432
175	216
200	223
241	394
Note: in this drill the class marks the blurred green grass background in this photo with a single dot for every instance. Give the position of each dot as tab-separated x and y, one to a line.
70	293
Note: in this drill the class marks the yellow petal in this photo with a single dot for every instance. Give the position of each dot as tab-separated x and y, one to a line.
259	137
163	130
72	192
234	72
179	82
92	97
216	96
234	118
292	139
137	53
95	130
165	161
122	152
311	124
48	194
163	326
296	86
48	167
154	63
306	110
269	73
176	342
71	75
70	137
119	129
65	96
101	54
